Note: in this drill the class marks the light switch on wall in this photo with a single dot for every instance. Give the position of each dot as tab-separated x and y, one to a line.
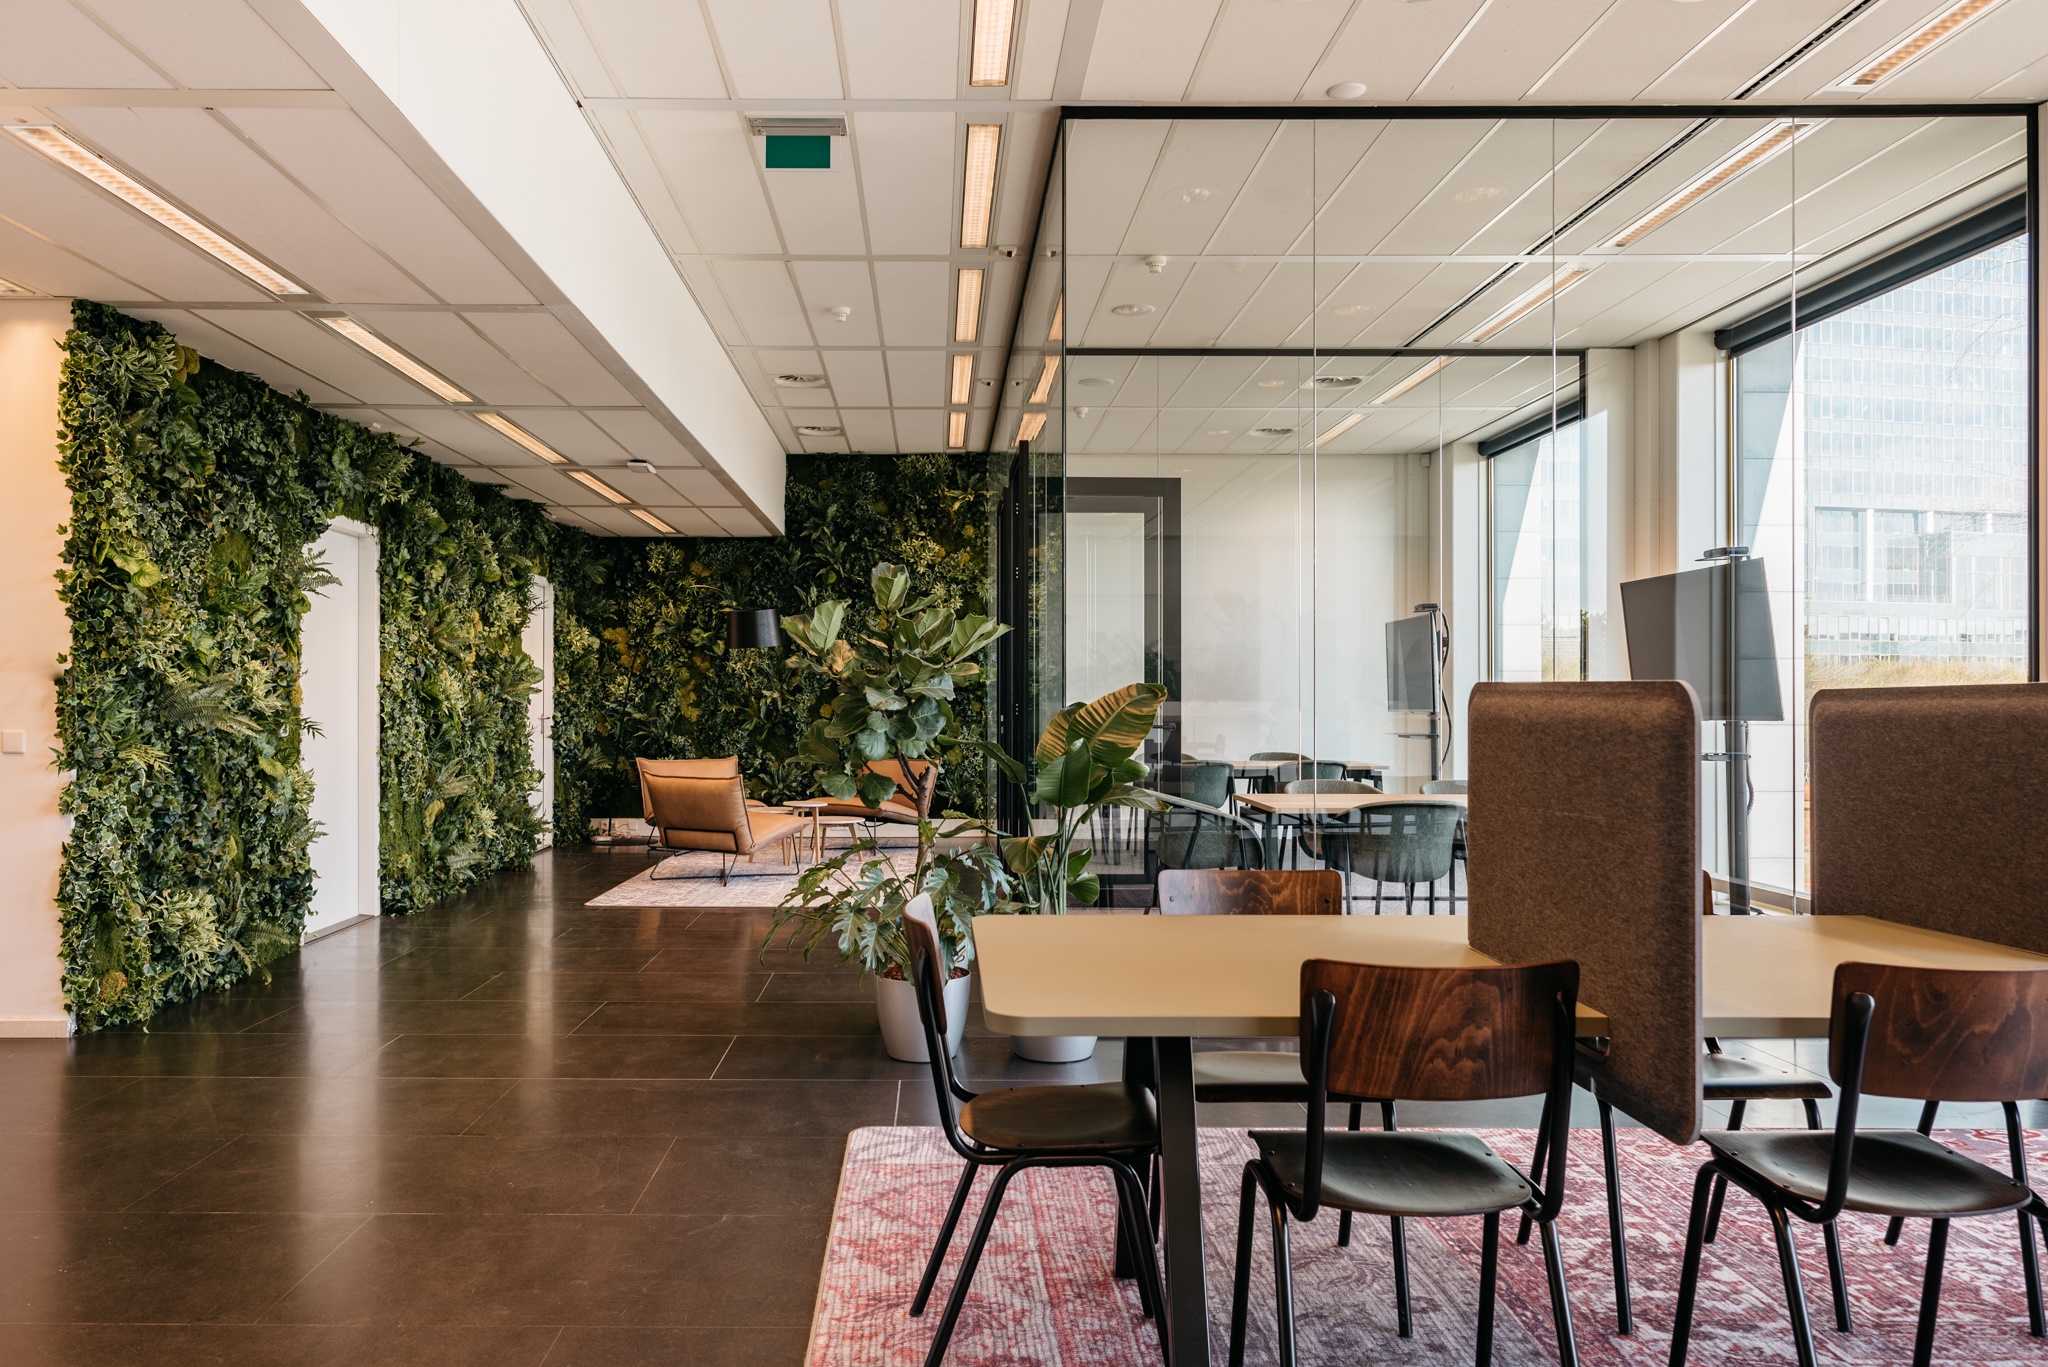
13	742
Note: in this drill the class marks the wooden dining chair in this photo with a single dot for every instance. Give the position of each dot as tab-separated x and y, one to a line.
1113	1126
1427	1034
1261	1076
1723	1078
1957	1034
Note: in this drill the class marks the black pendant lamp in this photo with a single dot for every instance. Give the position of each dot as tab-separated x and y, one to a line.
752	629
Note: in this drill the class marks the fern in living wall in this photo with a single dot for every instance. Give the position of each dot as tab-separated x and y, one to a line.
197	493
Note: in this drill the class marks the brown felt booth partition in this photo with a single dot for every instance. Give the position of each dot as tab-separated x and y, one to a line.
1584	831
1930	808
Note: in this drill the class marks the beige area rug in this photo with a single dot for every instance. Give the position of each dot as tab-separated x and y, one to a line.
691	880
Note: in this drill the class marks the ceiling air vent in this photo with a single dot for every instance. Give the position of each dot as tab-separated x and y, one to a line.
1272	431
801	381
814	431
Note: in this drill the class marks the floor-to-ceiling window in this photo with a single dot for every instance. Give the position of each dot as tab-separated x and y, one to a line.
1545	508
1882	477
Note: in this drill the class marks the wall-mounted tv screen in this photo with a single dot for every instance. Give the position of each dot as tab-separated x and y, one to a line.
1412	664
1678	628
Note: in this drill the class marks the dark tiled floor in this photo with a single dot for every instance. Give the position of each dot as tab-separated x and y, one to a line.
511	1131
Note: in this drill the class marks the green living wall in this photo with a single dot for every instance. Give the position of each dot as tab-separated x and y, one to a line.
196	492
641	665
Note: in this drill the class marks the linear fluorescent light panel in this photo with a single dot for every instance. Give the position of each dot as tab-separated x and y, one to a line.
651	520
1753	152
396	359
1029	426
590	481
73	155
1057	332
1340	428
504	427
1436	364
1528	302
963	378
990	61
967	305
1047	372
978	193
956	429
1916	43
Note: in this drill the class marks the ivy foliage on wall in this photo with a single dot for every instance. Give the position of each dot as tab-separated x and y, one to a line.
197	493
641	665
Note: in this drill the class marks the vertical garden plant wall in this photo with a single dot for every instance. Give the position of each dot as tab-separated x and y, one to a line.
641	665
196	492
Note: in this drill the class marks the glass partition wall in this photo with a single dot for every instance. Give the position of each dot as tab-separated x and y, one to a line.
1280	382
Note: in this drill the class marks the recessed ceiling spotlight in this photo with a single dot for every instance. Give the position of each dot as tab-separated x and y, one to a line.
1476	194
1133	310
1272	431
1346	90
817	430
1351	310
1333	382
801	381
1096	381
1272	384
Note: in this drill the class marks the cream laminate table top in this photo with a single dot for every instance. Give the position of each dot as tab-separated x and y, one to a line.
1765	976
1307	804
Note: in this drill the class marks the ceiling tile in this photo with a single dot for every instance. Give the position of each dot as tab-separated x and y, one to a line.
642	434
571	433
902	49
921	429
907	181
1262	51
562	30
640	488
1391	47
361	181
919	377
1508	50
688	521
869	429
465	436
29	260
778	49
826	285
857	378
208	44
1147	49
616	520
819	211
761	294
698	487
540	343
627	142
224	348
654	48
708	162
300	342
739	522
51	45
449	345
916	302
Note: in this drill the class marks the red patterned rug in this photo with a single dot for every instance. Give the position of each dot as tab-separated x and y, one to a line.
1044	1296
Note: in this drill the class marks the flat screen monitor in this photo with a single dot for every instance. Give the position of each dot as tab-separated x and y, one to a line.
1678	627
1412	664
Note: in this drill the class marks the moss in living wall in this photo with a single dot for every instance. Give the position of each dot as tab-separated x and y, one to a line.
196	495
641	665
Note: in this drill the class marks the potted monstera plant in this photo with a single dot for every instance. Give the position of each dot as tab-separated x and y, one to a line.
1087	759
892	699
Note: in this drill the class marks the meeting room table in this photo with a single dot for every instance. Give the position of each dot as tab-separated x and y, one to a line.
1274	808
1163	982
1267	771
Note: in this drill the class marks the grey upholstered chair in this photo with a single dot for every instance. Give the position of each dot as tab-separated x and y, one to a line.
1395	842
1194	835
1453	785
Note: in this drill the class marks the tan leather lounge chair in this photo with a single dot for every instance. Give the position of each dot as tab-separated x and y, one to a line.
701	804
900	805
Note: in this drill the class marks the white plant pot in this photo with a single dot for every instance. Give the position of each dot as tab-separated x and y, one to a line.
903	1032
1053	1048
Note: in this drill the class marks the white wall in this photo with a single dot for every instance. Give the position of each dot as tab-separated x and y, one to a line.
339	658
37	632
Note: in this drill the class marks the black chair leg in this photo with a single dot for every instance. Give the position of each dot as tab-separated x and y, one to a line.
1927	1113
1130	1236
958	1296
1735	1114
931	1267
1795	1289
1930	1294
1617	1231
1489	1265
1151	1286
1536	1166
1689	1277
1560	1303
1344	1217
1283	1286
1838	1285
1404	1317
1241	1279
2030	1267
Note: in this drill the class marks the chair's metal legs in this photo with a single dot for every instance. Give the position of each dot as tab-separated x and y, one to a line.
1795	1289
1536	1167
1838	1285
1241	1279
1404	1317
1927	1113
1344	1217
1617	1232
1151	1286
1930	1293
1489	1267
1283	1286
1689	1277
1560	1303
1735	1114
1411	897
2030	1266
931	1267
958	1296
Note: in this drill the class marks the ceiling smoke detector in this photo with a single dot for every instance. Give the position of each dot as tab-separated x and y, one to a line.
1096	381
1133	310
815	430
801	381
640	467
1346	90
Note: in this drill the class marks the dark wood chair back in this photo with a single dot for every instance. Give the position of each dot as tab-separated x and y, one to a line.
1444	1034
1251	892
1948	1034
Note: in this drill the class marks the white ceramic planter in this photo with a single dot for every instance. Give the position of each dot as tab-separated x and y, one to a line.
1052	1048
903	1032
